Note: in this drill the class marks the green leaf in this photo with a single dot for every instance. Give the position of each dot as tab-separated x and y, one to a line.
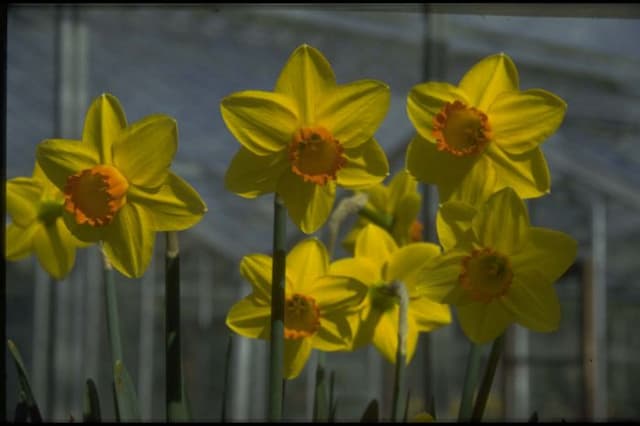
91	412
25	387
371	414
406	406
126	399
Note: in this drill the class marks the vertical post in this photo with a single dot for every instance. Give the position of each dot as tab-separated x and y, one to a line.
595	315
435	52
516	375
3	174
42	321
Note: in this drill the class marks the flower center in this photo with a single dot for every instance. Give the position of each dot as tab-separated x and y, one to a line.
49	211
316	155
301	317
415	231
461	130
486	274
94	195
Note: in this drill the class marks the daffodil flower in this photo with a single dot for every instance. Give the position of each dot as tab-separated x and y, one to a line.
399	203
377	263
482	135
496	268
319	313
305	137
35	206
117	186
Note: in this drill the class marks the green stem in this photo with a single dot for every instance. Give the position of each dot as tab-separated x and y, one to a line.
384	221
470	380
225	386
487	380
320	409
401	352
276	353
113	320
176	408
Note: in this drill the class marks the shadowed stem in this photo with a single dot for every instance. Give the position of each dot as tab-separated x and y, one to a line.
487	380
176	406
320	405
401	353
113	320
470	380
276	350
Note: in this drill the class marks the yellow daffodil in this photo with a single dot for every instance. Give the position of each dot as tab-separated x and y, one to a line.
496	268
377	263
35	206
305	137
319	313
399	204
117	186
482	135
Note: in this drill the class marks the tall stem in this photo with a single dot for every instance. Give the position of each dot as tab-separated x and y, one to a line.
470	380
487	380
401	352
276	354
113	320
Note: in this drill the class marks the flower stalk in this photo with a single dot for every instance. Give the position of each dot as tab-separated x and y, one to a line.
487	380
470	380
276	353
401	354
176	406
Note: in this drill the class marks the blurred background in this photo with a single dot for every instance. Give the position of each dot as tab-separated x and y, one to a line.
182	60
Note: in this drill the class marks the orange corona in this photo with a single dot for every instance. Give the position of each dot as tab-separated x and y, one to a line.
461	130
301	317
316	155
95	195
486	274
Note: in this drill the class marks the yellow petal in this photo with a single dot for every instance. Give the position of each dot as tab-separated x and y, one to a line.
405	263
306	261
337	294
375	243
263	122
548	252
306	78
502	223
527	174
422	417
257	270
425	101
478	184
19	241
366	327
521	121
23	199
296	354
353	112
361	269
144	152
453	223
128	241
174	207
248	319
334	333
308	204
401	186
533	305
488	78
412	339
406	213
442	169
250	175
61	158
437	279
484	322
378	198
55	249
429	315
366	165
385	338
103	125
